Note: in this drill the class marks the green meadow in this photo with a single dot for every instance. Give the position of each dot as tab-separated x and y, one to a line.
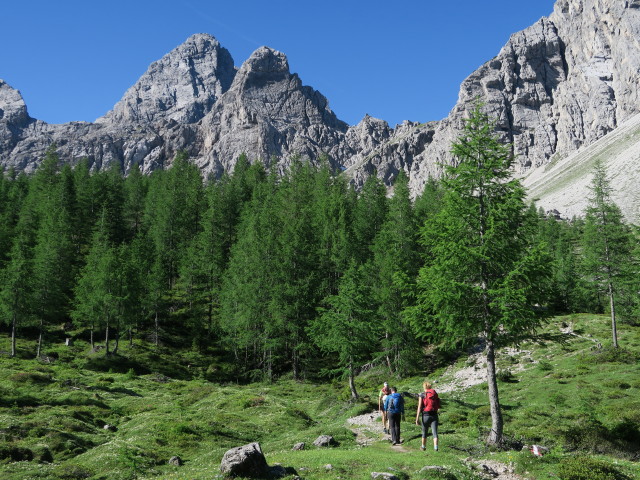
574	395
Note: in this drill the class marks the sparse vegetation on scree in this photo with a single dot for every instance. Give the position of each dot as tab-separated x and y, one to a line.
579	398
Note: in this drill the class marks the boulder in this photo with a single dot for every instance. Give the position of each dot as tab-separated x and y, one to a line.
245	461
175	460
325	441
384	476
299	446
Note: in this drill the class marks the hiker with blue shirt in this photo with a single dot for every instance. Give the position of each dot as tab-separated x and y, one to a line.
394	406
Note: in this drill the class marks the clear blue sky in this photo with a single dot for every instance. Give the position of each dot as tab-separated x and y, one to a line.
395	60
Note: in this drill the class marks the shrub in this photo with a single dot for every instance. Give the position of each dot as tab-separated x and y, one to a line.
480	417
254	402
587	468
505	376
545	366
458	419
73	472
610	355
10	453
31	377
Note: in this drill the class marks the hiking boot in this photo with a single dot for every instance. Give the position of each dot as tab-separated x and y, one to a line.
423	448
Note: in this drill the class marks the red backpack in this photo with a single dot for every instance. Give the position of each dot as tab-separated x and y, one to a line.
430	401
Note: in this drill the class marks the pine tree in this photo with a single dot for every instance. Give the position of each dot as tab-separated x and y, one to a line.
96	293
393	270
484	275
15	290
344	326
248	288
607	246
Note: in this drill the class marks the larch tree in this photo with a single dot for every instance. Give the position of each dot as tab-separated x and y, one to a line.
607	246
345	326
483	276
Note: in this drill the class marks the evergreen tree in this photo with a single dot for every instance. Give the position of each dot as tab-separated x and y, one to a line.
96	301
15	290
607	246
344	326
296	291
135	192
394	268
369	213
484	276
332	220
249	284
53	257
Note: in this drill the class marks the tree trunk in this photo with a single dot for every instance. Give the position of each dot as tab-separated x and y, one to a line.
13	335
117	338
157	327
614	329
352	383
93	345
39	348
106	340
495	436
130	337
386	335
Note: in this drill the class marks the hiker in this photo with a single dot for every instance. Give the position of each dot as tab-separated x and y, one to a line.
381	399
394	406
427	414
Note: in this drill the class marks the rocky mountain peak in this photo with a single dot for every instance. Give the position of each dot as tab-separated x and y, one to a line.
182	86
13	110
266	60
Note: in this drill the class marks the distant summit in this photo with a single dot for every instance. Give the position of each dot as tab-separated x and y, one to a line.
556	87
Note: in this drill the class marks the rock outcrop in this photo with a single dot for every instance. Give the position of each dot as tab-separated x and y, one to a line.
245	461
554	88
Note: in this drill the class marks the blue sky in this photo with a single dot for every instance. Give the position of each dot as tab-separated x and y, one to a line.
395	60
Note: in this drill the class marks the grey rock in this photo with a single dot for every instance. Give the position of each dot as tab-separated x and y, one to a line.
325	441
299	446
182	86
436	468
557	87
176	460
246	461
384	476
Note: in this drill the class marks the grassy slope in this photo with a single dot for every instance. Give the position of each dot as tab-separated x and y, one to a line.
570	397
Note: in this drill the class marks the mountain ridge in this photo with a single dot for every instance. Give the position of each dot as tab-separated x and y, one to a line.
557	86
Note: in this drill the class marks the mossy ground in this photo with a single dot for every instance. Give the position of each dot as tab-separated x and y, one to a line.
579	398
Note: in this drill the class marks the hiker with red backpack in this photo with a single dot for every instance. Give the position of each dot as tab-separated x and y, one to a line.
427	414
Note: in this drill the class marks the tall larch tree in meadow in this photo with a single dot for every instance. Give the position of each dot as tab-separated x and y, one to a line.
483	276
607	244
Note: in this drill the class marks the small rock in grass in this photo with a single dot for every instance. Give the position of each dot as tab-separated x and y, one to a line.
325	441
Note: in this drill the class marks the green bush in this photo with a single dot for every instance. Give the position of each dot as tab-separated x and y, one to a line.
31	377
73	472
587	468
11	453
505	376
545	366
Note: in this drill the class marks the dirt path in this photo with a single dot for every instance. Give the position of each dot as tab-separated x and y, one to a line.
368	429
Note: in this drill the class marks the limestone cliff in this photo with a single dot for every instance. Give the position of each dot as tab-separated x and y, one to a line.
556	87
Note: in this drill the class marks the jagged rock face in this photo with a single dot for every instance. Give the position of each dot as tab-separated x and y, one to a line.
555	87
182	86
267	113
